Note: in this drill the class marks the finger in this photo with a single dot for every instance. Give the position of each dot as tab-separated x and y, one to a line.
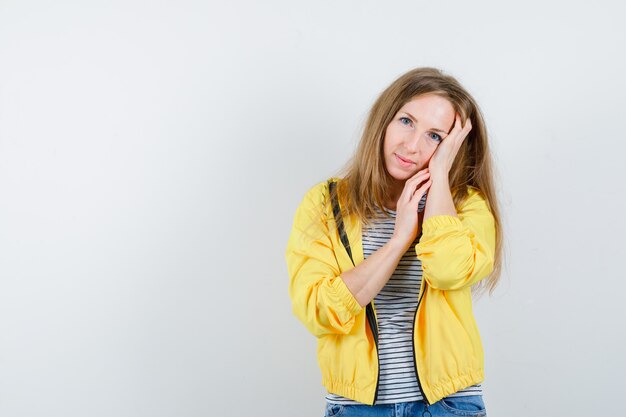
419	185
420	174
411	185
468	125
458	123
461	126
459	133
457	130
466	130
468	122
419	193
416	180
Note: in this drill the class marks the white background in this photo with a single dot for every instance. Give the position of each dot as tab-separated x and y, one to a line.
152	155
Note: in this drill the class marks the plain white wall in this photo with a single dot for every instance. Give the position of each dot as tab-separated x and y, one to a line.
152	155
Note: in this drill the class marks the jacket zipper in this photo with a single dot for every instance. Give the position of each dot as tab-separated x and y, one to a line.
369	310
371	319
413	341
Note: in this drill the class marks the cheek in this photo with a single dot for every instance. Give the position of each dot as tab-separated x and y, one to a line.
392	138
388	144
427	152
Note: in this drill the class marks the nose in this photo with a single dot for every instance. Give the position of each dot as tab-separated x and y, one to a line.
413	141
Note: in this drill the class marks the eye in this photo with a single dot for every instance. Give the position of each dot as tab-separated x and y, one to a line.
406	121
436	137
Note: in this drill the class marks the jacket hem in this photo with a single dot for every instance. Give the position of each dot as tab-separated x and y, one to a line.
450	386
362	395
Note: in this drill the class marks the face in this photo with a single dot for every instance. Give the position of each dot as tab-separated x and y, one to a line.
414	134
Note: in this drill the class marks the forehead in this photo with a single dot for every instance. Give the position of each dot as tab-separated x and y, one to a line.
431	107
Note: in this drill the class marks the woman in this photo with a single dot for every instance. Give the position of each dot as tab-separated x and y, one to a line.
382	261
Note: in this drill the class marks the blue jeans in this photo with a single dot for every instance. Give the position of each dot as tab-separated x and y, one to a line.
468	406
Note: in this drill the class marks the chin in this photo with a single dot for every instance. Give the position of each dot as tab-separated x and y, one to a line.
401	176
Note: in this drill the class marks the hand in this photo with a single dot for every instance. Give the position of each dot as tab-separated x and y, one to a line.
441	161
405	229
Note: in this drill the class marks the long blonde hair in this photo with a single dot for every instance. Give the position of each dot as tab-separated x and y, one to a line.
365	182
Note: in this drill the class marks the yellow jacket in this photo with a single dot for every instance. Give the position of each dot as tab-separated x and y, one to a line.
455	252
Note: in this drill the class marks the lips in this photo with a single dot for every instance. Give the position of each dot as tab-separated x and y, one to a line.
403	161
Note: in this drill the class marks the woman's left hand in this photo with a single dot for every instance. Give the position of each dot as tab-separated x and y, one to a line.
441	161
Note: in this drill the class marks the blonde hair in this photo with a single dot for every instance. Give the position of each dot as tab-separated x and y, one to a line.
365	183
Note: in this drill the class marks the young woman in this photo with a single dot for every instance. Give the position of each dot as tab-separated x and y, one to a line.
383	260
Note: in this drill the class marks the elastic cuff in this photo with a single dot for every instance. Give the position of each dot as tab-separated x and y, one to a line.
439	221
346	296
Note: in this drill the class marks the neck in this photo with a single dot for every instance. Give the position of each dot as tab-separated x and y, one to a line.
395	194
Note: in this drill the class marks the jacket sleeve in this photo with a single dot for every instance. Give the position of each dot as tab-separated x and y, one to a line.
457	252
319	297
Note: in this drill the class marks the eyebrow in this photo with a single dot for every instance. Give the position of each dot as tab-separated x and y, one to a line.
415	120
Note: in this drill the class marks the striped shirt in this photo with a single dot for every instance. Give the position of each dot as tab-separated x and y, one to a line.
395	305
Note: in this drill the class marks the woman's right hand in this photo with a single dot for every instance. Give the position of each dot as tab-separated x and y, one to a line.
405	230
